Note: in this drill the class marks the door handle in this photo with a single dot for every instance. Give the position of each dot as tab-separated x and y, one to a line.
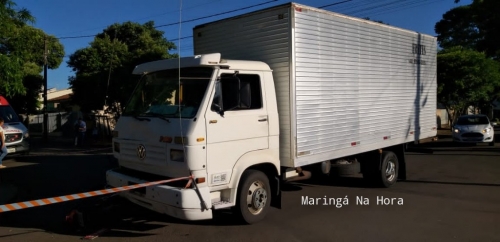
262	119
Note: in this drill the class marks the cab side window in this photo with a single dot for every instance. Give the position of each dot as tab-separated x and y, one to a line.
237	92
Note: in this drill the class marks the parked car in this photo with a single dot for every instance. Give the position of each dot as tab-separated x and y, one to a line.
474	129
16	134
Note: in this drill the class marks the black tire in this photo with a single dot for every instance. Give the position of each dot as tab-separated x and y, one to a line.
345	170
387	175
253	183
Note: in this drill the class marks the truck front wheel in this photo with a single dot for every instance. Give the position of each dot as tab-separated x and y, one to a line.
254	196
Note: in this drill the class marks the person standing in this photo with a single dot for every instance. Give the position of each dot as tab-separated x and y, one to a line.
82	129
3	150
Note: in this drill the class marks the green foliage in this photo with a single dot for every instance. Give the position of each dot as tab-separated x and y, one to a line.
475	26
466	77
22	56
111	57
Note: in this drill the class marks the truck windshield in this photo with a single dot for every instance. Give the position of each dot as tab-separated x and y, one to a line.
8	114
169	93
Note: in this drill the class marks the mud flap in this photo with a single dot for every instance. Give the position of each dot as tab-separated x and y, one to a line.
276	198
400	153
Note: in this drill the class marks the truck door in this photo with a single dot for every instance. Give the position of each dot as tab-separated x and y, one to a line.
236	122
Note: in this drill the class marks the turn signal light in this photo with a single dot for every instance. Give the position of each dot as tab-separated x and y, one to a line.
200	180
165	139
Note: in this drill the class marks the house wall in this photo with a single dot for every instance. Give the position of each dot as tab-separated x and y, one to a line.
53	93
442	119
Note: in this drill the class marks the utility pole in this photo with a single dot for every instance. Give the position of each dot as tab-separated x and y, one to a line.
45	115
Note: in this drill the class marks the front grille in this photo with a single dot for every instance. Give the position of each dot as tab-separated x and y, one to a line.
151	177
9	138
472	135
155	152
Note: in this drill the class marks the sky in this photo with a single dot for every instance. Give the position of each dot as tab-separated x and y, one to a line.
77	19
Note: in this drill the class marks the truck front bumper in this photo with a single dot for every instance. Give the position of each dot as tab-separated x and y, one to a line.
177	202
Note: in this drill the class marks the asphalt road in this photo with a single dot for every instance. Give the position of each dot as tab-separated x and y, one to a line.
452	194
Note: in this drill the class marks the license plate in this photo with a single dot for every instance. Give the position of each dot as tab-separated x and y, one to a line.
11	150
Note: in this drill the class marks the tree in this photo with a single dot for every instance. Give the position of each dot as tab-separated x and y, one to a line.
103	70
466	77
21	56
476	26
10	65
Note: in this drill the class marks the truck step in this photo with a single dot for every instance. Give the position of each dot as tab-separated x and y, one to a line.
222	204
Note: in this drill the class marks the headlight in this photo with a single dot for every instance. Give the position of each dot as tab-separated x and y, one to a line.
487	130
176	155
456	131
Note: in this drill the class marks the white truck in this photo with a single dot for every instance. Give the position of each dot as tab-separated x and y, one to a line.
269	96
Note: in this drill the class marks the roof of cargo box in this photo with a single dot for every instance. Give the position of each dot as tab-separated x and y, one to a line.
302	8
212	59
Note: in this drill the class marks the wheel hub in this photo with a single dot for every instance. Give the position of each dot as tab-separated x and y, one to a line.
259	198
390	171
256	198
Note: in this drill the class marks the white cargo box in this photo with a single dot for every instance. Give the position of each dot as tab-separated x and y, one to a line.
344	85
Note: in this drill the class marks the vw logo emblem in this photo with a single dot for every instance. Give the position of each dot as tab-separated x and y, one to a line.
141	152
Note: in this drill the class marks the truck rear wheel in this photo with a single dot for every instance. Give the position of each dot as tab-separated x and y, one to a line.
386	174
254	196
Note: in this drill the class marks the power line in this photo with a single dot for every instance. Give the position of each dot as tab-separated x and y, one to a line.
333	4
170	24
391	5
214	15
77	37
406	6
382	5
148	17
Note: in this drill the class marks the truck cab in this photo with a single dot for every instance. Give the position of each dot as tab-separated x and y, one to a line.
206	117
16	134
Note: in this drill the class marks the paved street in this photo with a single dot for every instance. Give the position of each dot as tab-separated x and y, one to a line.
452	195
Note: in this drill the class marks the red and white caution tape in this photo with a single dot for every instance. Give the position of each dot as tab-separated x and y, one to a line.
48	201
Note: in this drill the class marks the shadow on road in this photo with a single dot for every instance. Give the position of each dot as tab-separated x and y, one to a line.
454	183
448	145
39	177
351	181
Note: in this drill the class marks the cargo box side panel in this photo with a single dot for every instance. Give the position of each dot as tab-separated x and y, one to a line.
359	86
261	36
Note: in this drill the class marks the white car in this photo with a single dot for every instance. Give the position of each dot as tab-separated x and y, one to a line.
474	129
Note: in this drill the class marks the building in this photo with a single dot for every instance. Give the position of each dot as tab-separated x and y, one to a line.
57	100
